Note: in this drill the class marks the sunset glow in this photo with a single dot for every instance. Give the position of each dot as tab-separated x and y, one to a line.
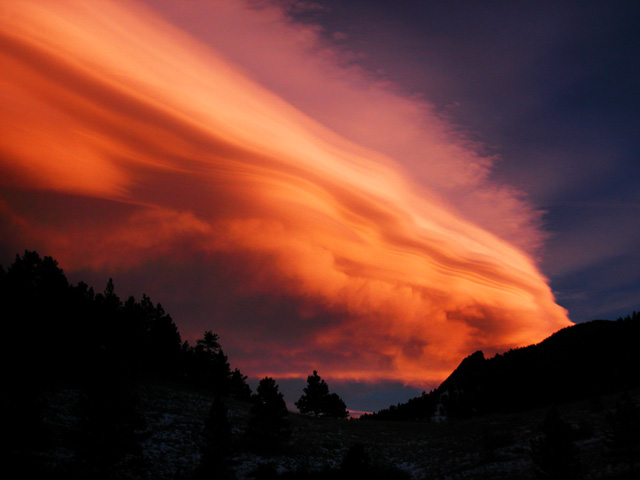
309	240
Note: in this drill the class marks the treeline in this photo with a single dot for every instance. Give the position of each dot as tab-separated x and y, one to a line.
579	362
57	333
65	332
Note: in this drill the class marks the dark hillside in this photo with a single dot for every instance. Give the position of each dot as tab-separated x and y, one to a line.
64	337
579	362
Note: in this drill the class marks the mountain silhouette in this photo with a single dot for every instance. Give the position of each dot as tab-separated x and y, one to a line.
586	360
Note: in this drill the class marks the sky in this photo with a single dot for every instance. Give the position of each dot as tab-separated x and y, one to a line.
370	189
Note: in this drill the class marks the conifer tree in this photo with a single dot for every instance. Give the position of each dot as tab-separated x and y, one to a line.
335	407
268	427
312	401
318	401
239	388
212	367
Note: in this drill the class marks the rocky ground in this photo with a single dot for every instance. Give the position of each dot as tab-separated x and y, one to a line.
495	447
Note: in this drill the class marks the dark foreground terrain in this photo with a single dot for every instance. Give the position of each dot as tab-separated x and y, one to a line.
99	388
500	446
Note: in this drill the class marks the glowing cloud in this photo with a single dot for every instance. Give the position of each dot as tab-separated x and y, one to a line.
128	144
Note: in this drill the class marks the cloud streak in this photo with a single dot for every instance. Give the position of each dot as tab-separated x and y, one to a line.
129	145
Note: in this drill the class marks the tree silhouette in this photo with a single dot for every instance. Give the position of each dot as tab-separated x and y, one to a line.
268	428
335	407
312	401
209	343
163	339
239	388
209	366
317	400
36	290
34	296
63	335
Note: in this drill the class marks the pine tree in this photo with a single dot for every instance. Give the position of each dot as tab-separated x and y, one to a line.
212	364
318	401
335	407
268	428
312	401
239	388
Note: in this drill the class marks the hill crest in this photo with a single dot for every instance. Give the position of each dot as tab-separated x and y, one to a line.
581	361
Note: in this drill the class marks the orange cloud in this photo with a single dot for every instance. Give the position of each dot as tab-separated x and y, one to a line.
128	144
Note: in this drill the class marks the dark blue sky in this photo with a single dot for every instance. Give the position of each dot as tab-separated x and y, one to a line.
551	88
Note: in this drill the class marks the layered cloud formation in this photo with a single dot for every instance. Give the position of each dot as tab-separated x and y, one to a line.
309	214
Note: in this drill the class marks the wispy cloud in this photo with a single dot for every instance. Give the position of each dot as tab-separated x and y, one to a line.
321	226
